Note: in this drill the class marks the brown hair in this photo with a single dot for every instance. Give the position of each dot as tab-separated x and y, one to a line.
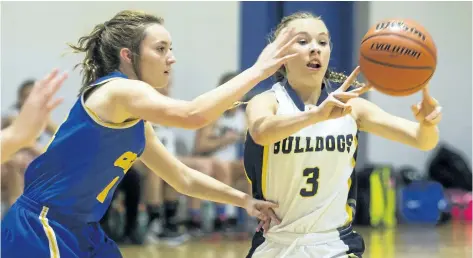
330	75
102	46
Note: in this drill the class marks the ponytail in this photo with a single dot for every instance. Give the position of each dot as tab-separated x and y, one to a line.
92	66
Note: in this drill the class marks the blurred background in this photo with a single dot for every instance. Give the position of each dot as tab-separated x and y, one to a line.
214	40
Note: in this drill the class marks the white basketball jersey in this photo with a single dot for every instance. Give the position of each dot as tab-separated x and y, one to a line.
236	123
309	173
167	137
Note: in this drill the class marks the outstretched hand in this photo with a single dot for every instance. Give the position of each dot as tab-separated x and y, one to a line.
263	210
276	54
428	111
335	105
34	114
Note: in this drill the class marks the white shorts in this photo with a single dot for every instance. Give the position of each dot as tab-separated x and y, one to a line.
343	243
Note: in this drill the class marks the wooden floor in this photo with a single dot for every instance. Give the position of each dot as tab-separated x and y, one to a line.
450	241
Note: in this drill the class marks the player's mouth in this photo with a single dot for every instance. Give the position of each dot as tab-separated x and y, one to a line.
314	65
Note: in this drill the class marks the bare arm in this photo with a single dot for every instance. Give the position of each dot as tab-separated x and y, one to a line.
139	99
206	142
266	127
184	179
374	120
33	116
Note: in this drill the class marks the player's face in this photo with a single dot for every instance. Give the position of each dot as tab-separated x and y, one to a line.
313	46
156	57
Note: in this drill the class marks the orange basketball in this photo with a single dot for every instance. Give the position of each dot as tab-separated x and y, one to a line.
398	57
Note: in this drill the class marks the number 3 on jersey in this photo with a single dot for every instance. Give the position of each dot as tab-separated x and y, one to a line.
124	162
312	175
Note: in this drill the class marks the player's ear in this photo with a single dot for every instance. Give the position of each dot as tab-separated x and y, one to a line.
126	55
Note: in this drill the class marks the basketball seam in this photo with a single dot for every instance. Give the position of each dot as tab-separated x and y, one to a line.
405	89
406	37
398	66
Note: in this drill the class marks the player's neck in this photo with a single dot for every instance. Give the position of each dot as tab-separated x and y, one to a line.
128	72
309	93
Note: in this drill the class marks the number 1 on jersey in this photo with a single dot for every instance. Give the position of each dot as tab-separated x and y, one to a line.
312	175
125	161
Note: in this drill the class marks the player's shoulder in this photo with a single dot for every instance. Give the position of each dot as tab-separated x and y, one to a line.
125	86
266	98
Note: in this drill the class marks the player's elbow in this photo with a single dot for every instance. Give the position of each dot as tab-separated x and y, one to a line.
260	137
185	183
196	120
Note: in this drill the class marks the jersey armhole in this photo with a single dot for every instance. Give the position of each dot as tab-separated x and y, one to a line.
92	115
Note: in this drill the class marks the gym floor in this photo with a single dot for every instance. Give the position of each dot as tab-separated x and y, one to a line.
453	240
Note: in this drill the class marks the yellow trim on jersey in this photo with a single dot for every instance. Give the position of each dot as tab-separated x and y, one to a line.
264	169
99	121
246	175
105	81
54	135
355	145
348	207
53	247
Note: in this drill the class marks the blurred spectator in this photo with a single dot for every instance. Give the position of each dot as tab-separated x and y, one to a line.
11	113
223	141
13	170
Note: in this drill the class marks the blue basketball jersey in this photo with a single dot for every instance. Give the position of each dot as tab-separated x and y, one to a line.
85	161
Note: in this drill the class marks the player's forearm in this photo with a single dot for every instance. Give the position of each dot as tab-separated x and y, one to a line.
211	145
213	104
11	143
278	127
427	136
205	187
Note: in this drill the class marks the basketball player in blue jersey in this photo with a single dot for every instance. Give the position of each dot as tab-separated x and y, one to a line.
300	150
33	116
69	187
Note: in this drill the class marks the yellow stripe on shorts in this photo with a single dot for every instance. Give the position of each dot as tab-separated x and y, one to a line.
53	247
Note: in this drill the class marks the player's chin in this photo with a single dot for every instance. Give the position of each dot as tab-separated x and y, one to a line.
160	84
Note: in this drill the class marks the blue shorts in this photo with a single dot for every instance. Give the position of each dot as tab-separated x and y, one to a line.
32	230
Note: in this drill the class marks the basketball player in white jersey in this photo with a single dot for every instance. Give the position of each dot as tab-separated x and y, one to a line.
300	151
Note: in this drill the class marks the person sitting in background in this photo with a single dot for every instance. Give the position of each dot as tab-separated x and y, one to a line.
13	172
19	133
156	190
222	141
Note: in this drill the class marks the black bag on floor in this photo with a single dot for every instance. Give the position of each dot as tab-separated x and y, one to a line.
450	169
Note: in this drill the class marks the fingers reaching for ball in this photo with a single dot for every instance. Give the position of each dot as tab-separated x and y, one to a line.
363	89
350	80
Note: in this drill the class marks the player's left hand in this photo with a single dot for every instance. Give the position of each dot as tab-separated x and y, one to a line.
34	114
428	111
263	210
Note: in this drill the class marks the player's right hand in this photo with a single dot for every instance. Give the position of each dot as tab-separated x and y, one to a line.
276	54
263	210
335	105
34	114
